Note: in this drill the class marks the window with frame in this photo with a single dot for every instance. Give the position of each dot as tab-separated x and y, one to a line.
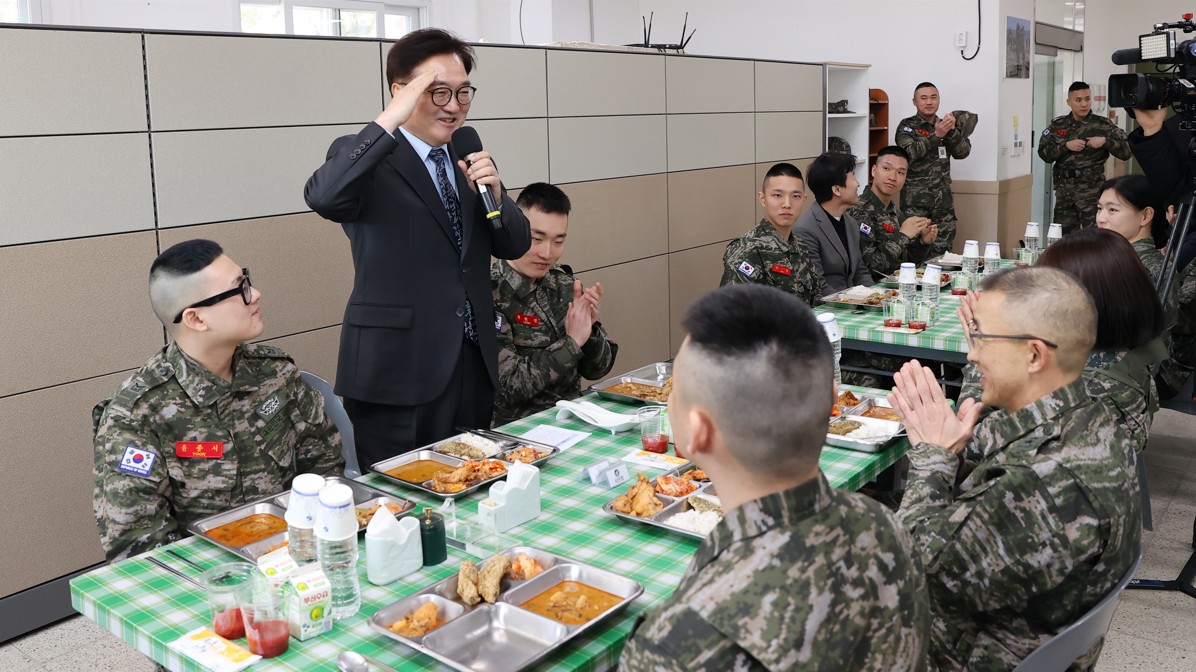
332	18
14	11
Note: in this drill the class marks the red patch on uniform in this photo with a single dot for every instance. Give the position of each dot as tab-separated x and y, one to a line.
783	270
199	449
888	227
527	320
1062	132
924	133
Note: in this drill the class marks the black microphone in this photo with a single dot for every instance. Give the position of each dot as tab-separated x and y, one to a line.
466	142
1127	56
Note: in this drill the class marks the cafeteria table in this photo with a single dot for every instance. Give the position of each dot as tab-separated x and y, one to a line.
863	330
147	607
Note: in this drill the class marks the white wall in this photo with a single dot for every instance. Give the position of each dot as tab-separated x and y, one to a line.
1015	99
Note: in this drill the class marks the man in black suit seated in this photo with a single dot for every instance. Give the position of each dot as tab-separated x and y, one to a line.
832	235
418	353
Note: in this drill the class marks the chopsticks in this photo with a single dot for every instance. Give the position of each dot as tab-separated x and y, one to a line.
176	572
180	557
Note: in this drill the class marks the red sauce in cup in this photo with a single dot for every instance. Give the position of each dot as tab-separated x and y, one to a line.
269	638
892	323
917	324
655	443
228	623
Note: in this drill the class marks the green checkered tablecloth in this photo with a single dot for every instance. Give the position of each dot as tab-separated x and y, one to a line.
147	607
866	327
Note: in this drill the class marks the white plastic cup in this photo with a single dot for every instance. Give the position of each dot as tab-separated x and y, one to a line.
992	251
1054	232
335	519
971	248
1033	235
304	501
908	274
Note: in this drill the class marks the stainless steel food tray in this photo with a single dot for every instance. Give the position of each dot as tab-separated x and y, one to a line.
836	300
654	374
892	281
672	506
895	429
507	443
503	637
277	505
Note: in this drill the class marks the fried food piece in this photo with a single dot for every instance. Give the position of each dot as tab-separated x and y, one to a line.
523	567
525	454
467	583
848	399
419	622
844	427
467	475
883	413
492	572
673	486
695	475
640	499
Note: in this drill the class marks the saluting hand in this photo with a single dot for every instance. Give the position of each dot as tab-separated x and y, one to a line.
579	321
404	101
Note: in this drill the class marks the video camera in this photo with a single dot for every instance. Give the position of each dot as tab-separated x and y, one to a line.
1158	91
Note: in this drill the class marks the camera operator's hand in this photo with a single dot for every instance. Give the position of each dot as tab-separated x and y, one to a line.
943	126
1097	142
1076	145
1151	121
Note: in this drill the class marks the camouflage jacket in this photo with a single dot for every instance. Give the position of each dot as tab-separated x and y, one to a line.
538	363
882	245
271	424
1052	145
1152	259
810	578
1034	536
760	256
929	168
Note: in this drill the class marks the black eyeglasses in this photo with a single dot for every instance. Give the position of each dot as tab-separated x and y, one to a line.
441	95
974	334
244	288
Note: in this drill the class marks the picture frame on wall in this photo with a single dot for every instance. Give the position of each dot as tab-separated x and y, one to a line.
1017	48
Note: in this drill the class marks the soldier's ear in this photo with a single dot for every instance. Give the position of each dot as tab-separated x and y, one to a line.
702	431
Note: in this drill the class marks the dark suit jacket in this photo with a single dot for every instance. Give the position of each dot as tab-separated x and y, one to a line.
403	327
838	268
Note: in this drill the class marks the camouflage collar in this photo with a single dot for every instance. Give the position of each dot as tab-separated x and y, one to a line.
1145	244
784	509
1004	428
869	197
765	228
203	386
520	283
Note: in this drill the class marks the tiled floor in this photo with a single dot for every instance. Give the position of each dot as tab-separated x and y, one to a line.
1152	630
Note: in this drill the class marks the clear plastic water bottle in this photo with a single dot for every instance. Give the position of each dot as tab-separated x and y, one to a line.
907	282
301	517
831	326
971	259
336	547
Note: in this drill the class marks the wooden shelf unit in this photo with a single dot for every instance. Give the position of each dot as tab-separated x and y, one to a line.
878	124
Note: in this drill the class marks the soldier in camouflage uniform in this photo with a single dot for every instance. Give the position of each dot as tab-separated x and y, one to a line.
886	238
1079	144
931	143
797	575
191	435
549	336
1047	519
770	254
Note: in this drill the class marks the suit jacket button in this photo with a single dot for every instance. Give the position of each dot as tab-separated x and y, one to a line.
460	312
367	142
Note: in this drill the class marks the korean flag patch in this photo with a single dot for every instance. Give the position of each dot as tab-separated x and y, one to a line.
1046	132
747	269
136	461
865	229
907	129
498	322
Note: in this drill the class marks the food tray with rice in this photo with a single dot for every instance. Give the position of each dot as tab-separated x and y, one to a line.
481	444
254	529
868	426
947	260
435	470
518	607
860	298
683	501
649	384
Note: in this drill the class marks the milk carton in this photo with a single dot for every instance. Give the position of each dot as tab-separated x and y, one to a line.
277	566
307	601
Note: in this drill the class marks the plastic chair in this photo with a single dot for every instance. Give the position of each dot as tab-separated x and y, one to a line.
1073	641
334	409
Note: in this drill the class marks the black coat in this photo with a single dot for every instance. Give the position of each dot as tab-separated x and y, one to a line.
402	331
1164	160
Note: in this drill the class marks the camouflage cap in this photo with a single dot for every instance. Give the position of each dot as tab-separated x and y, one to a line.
965	121
837	144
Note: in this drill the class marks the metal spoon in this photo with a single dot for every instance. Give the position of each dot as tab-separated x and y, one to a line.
351	661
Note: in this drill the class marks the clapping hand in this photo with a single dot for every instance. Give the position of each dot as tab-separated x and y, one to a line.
943	126
579	320
924	409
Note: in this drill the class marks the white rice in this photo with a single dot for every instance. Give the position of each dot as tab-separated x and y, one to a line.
695	521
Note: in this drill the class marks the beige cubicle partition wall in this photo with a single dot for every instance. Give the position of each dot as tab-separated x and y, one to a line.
125	142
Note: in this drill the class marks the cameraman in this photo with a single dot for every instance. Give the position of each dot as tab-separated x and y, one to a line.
1161	148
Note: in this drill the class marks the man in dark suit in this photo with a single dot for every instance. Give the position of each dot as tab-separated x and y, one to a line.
831	235
418	353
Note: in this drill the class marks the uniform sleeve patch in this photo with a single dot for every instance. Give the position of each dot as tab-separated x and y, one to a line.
137	461
498	322
1046	132
906	129
865	229
746	269
888	227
